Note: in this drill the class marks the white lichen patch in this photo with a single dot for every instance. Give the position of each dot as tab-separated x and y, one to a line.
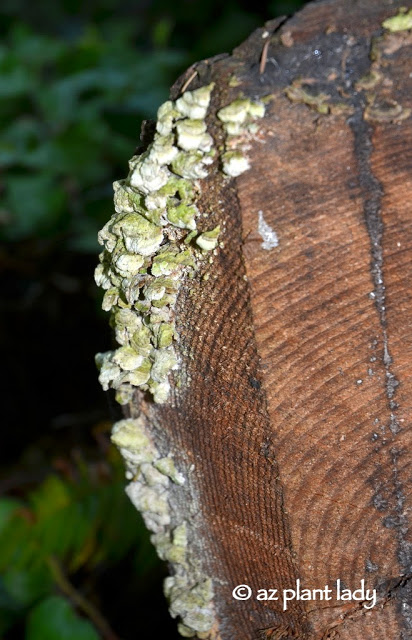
150	244
235	163
268	235
208	240
238	120
188	590
194	104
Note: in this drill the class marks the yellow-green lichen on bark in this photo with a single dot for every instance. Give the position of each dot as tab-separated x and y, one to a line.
151	475
238	120
147	248
401	22
150	244
298	92
381	107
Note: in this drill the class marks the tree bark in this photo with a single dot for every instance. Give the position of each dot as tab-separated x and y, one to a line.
291	417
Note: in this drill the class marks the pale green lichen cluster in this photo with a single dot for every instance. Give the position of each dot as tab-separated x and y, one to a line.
192	604
401	22
238	122
150	243
188	590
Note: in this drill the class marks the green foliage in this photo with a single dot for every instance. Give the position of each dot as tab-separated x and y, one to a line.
54	619
77	523
76	80
71	107
70	114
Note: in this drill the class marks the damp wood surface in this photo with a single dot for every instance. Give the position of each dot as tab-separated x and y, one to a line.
293	408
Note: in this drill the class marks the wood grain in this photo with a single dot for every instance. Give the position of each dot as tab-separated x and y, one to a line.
295	411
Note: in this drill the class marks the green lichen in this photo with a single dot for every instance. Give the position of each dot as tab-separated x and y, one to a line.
167	467
160	391
146	252
170	259
126	324
124	394
183	216
192	605
385	111
149	500
138	234
127	264
180	535
139	376
235	163
110	299
208	239
297	92
131	435
185	632
164	334
127	358
151	476
234	81
194	104
369	81
190	165
236	112
189	591
149	245
191	135
175	555
238	120
237	115
401	22
164	361
146	174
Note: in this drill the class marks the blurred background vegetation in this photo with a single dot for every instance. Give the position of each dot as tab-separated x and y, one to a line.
76	81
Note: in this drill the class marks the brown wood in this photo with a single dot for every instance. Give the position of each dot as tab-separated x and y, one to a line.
297	406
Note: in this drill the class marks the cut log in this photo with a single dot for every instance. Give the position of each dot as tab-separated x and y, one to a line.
288	420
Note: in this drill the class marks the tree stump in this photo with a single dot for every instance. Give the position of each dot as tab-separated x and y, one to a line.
289	411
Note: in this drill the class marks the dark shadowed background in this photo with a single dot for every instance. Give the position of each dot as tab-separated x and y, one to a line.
76	81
